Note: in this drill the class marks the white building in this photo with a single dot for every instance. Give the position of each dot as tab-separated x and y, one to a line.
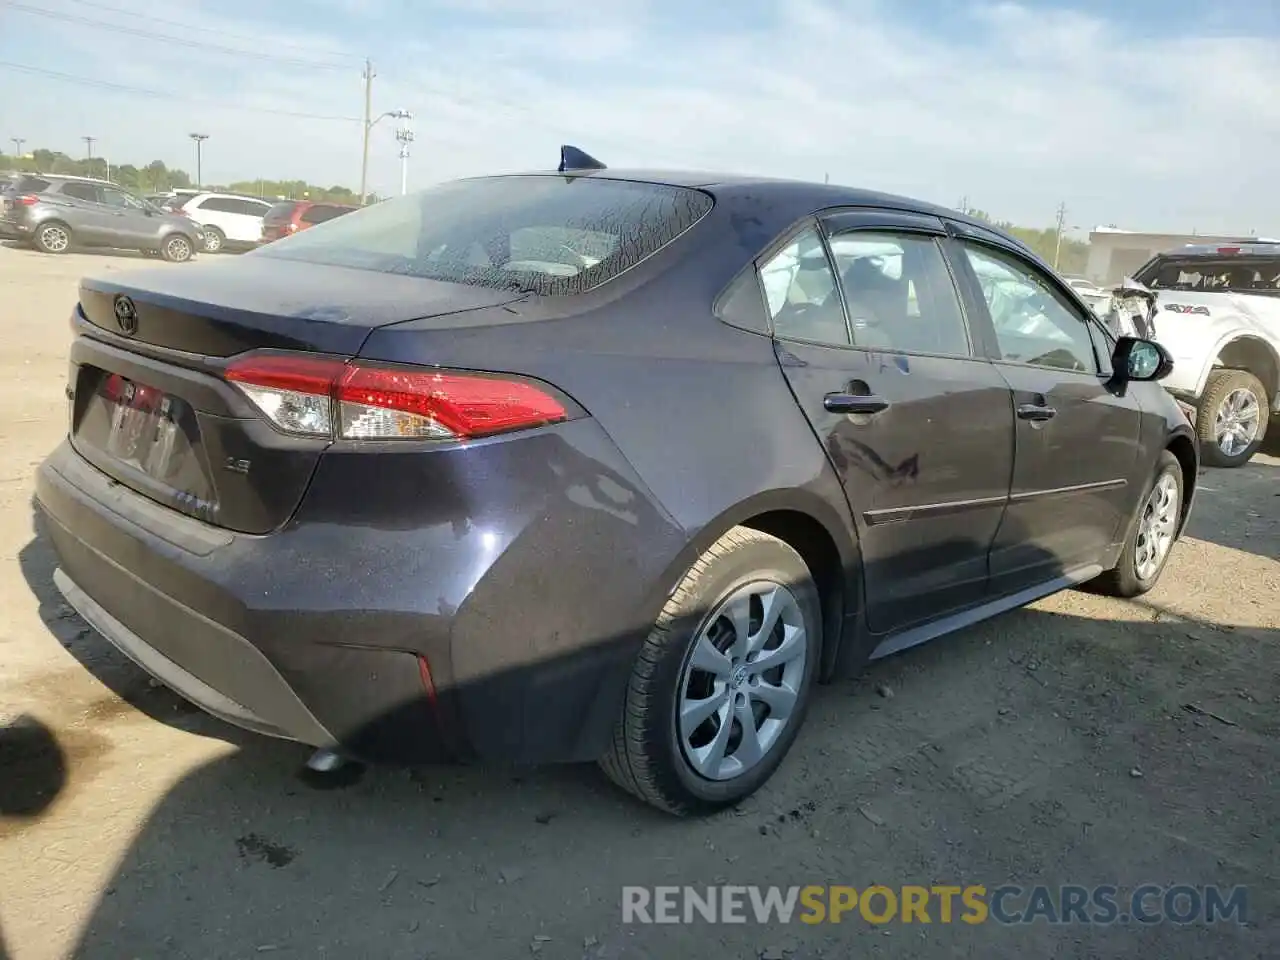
1115	254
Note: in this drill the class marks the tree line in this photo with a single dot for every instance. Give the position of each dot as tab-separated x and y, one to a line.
157	177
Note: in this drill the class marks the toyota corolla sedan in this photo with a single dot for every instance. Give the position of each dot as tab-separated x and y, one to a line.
595	465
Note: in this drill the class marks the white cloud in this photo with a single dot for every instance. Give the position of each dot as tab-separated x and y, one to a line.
1019	110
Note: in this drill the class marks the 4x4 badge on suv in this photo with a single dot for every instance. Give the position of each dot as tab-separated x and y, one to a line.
126	315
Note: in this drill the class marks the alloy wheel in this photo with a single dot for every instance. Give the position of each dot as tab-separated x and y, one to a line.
1236	422
179	249
55	239
1157	527
741	681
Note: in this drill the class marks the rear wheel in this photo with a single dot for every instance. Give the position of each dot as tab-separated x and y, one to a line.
723	681
1151	534
53	237
1231	421
177	248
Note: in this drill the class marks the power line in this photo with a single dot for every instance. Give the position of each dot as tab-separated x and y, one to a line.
170	39
165	95
212	31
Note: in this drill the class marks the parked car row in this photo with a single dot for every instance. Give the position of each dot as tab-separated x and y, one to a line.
54	212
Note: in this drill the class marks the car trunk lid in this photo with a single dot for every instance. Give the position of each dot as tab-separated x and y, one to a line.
150	405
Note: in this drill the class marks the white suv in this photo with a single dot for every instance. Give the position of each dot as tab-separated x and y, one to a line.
229	221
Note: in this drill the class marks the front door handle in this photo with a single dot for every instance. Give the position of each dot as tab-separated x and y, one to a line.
854	403
1035	412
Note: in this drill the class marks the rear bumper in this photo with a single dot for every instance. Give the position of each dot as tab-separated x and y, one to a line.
527	619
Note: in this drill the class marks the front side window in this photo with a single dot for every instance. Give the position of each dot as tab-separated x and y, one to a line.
1032	322
899	293
548	235
801	294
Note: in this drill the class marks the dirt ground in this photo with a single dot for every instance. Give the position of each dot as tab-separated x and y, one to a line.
1079	741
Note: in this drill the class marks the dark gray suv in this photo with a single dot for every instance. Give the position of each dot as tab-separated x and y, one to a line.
54	213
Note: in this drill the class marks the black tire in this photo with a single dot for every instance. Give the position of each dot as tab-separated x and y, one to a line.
646	757
1124	580
177	248
215	241
1221	385
52	237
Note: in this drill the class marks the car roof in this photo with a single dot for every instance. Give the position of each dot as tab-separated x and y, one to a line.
72	178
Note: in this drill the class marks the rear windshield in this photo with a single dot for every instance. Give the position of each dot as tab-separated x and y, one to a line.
542	234
32	185
1231	274
280	211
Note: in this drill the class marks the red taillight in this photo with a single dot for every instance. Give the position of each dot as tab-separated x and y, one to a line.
1228	250
293	227
328	397
27	200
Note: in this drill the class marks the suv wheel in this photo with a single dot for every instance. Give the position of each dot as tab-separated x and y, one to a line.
53	237
722	683
177	249
1232	418
214	240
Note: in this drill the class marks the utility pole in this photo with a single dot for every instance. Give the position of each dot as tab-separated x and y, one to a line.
17	146
368	128
199	138
963	207
405	136
1062	222
88	142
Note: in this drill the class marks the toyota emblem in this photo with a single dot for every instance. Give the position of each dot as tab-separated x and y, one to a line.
126	315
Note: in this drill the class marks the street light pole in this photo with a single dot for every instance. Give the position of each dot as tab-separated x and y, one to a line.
17	146
199	138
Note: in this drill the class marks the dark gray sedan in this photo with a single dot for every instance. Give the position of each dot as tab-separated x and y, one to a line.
595	465
54	213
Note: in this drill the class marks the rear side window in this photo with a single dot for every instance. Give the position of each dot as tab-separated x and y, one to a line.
220	205
81	191
899	293
280	212
542	234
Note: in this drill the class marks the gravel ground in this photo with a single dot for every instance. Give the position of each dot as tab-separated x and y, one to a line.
1082	740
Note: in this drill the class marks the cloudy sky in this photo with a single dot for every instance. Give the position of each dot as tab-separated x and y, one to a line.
1150	114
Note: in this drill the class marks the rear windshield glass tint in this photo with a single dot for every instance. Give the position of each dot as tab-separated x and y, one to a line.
1228	274
541	234
280	212
32	185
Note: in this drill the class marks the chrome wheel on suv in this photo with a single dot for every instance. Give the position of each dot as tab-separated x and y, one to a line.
1232	418
1236	423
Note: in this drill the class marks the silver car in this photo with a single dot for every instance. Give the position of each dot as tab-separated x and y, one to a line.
54	213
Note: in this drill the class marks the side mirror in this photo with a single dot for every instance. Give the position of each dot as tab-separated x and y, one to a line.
1137	359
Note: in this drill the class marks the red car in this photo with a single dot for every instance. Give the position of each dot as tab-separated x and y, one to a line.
291	216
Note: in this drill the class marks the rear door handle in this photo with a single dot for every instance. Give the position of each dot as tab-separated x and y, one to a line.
854	403
1035	412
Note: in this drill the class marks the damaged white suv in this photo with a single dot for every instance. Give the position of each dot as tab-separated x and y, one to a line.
1217	310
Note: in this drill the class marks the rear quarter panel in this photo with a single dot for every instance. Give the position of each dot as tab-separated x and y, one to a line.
700	410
